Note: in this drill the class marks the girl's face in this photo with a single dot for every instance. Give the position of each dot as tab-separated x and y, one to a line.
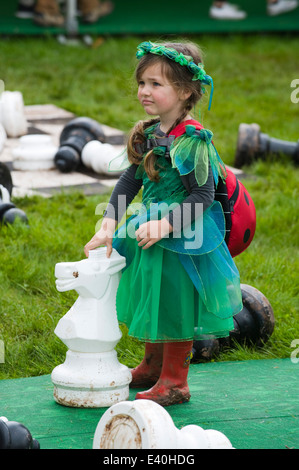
159	97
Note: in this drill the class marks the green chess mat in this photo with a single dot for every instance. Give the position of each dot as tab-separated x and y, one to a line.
253	403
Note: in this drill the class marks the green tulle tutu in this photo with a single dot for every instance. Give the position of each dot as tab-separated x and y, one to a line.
180	288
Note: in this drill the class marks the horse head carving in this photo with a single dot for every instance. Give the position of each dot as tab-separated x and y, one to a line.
91	323
89	277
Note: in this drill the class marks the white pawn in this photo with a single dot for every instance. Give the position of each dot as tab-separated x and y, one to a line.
12	113
34	152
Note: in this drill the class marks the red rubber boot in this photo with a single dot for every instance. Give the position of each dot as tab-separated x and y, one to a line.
172	386
148	371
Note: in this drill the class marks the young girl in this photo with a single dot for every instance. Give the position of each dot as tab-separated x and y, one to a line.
180	282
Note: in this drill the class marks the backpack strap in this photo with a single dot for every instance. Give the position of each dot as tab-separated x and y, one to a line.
222	196
166	142
234	196
180	129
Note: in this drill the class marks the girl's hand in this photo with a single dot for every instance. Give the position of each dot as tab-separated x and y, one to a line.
103	237
152	231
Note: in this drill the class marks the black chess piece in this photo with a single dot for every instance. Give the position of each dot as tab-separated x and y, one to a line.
14	435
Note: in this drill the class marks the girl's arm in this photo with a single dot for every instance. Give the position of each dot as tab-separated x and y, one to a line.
188	210
103	237
152	231
124	192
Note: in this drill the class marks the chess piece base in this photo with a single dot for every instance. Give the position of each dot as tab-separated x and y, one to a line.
91	380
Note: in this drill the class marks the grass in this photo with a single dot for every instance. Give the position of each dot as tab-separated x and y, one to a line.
30	304
252	76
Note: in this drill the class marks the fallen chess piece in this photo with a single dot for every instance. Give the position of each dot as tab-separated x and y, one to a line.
14	435
74	136
254	326
253	144
255	323
205	350
91	375
97	156
143	424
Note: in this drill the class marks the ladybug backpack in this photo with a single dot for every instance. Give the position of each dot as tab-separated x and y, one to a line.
238	207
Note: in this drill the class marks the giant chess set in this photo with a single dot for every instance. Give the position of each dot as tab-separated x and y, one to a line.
39	175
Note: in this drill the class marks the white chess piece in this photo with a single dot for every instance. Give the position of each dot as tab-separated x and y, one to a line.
12	113
143	424
34	152
3	137
97	156
91	375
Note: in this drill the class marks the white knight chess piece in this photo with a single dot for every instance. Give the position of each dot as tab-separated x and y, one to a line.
91	375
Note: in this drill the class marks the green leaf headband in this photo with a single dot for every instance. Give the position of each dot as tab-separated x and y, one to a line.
184	60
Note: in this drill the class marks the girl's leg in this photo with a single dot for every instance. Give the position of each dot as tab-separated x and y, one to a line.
277	7
172	386
92	10
47	13
226	11
148	371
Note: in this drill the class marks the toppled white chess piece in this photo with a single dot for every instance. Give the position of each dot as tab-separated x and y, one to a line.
91	375
97	156
143	424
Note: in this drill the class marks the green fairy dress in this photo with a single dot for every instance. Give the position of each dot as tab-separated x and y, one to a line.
185	286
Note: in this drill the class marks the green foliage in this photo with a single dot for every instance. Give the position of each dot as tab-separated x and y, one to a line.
252	76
